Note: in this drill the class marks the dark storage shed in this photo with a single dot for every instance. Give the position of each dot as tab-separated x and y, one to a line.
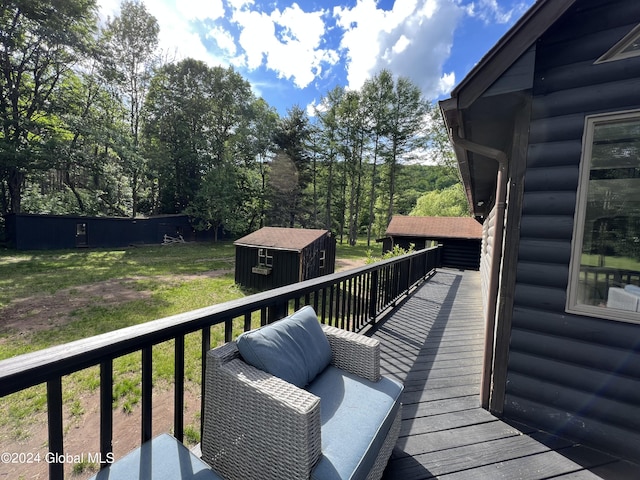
49	232
460	238
273	256
546	130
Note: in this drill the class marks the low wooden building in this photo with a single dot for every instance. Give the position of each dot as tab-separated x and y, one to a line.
460	238
274	256
546	130
50	232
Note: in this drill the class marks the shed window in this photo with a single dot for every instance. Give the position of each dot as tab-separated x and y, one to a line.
323	259
605	264
265	257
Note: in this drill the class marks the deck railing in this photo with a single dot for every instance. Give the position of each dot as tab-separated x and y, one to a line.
352	300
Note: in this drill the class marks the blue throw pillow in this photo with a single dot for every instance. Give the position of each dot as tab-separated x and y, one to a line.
294	349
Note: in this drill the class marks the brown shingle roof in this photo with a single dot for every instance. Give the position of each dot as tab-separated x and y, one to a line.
283	238
434	227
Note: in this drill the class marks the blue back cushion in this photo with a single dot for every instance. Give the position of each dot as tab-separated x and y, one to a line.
294	349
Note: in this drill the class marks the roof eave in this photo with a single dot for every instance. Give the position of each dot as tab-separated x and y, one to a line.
508	49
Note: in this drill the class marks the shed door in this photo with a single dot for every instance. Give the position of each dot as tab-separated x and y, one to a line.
81	235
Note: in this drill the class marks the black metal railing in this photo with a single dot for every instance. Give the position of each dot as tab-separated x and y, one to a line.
596	281
353	300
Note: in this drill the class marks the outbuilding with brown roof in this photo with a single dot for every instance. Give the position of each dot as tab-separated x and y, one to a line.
460	237
275	256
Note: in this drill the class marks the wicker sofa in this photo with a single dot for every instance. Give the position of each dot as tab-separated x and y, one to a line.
297	400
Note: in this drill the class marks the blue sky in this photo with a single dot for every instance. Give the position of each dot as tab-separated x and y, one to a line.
295	52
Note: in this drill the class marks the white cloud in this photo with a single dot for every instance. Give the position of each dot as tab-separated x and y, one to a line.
414	39
177	39
224	40
200	9
490	11
287	42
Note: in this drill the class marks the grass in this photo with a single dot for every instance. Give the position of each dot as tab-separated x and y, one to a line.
157	272
22	274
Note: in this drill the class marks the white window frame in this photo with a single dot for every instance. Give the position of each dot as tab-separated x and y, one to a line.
265	257
572	305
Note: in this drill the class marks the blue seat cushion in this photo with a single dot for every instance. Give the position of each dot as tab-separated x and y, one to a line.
356	415
163	458
294	349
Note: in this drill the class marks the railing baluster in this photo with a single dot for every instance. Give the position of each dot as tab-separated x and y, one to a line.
349	315
106	410
332	305
344	294
373	296
54	416
228	330
147	393
206	346
247	321
324	305
178	389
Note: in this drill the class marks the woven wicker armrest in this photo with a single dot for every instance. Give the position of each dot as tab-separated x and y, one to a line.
257	426
354	353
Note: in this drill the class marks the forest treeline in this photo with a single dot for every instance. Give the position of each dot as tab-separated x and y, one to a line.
96	120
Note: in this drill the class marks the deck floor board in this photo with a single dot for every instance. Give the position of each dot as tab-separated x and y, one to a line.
433	344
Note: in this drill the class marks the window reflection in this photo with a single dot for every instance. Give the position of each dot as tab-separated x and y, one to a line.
610	260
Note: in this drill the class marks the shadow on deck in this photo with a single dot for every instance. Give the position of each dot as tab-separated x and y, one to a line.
433	344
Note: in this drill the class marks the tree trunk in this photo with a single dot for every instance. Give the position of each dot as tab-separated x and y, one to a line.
15	182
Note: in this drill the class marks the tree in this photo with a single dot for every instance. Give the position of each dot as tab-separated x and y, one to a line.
377	96
39	44
217	201
450	202
406	122
259	147
177	131
327	144
133	40
291	138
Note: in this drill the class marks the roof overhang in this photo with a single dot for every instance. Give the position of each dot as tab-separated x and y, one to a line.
524	33
484	105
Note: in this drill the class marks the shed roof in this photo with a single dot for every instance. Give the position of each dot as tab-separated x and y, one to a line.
434	227
295	239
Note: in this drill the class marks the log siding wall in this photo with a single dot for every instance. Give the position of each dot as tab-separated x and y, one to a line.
574	376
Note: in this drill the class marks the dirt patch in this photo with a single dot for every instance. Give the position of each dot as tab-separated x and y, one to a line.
346	264
38	312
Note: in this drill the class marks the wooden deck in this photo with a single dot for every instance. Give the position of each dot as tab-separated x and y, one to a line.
433	344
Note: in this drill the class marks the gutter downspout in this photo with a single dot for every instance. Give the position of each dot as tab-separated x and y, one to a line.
494	276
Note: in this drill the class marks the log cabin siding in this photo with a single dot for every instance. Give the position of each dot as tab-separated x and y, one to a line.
573	375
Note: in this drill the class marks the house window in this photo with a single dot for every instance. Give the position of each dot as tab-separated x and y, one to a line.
628	47
605	263
323	259
265	257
